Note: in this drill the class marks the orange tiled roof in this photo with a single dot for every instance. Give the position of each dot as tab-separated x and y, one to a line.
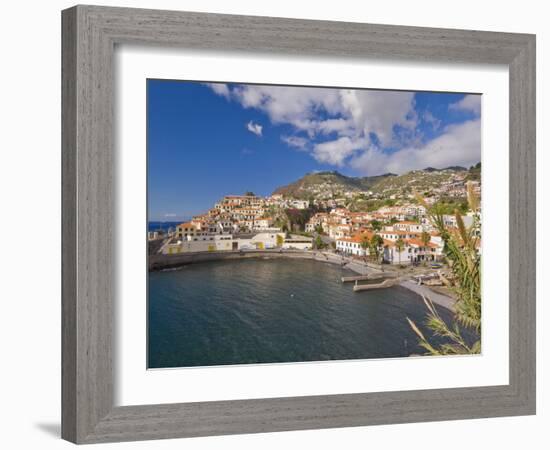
186	225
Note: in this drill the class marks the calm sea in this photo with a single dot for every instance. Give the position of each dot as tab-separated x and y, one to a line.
266	311
164	226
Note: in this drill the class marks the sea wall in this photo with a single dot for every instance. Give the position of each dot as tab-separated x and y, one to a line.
161	262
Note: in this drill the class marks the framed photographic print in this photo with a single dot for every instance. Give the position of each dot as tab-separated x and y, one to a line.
278	224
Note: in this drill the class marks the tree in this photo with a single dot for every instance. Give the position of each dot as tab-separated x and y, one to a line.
376	245
250	194
376	225
319	244
399	245
425	238
465	261
365	244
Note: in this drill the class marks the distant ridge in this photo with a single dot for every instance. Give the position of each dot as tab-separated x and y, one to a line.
333	180
314	183
452	168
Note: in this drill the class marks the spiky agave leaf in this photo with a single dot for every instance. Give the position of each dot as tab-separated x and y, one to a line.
416	329
461	253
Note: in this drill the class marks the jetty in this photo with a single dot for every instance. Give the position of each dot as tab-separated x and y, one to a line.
370	276
355	278
388	282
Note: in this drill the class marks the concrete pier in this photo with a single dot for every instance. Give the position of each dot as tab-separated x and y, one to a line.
371	276
355	278
388	282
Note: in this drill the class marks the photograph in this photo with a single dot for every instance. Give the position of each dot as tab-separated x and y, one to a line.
264	225
301	224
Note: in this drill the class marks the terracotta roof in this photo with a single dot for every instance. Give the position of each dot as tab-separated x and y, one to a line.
187	225
358	237
419	243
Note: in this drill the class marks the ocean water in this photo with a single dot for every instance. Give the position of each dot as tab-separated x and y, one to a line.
278	310
164	226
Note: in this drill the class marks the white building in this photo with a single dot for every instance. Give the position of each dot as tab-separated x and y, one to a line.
263	223
298	243
209	243
354	245
298	204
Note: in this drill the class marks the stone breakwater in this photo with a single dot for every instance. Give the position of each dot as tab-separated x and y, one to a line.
162	262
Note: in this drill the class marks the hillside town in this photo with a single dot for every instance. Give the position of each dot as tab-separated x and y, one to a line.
391	228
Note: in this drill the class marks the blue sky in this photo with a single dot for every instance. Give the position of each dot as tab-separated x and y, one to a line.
209	140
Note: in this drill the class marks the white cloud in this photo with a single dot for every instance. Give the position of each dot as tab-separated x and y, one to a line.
220	88
296	106
340	126
255	128
431	119
378	112
295	141
352	113
358	127
337	151
460	144
471	103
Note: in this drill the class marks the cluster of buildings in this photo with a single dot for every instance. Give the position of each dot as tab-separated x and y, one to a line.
245	222
407	235
341	222
396	246
241	213
456	186
235	223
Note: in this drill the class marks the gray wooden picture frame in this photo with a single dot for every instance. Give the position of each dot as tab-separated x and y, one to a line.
90	34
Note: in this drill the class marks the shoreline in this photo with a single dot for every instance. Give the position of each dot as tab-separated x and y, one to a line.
159	262
436	298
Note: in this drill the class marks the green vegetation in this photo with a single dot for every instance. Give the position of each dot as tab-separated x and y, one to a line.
425	238
415	181
371	205
474	173
319	244
448	206
332	185
376	247
365	245
333	182
297	218
465	262
399	245
376	225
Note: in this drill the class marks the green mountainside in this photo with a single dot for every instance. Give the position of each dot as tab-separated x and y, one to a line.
326	184
416	180
323	185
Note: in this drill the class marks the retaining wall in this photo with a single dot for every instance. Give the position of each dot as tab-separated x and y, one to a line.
160	261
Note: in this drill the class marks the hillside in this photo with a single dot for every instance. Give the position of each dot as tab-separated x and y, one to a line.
474	173
417	180
323	185
328	184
